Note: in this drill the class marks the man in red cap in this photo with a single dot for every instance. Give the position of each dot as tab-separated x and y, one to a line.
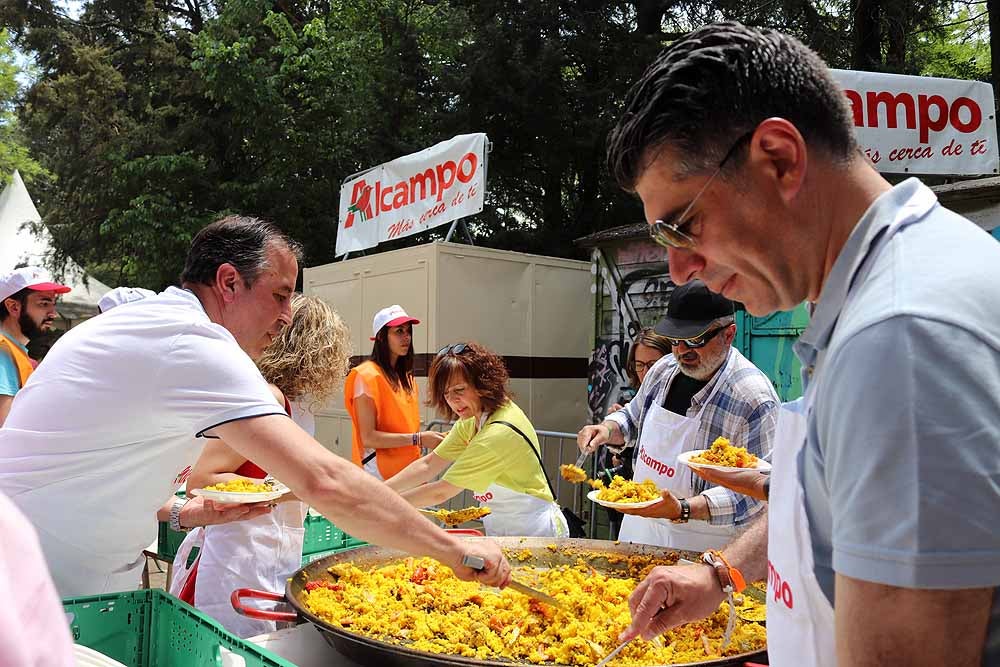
27	309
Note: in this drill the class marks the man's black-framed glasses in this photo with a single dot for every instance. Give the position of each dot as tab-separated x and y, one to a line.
700	340
456	349
674	234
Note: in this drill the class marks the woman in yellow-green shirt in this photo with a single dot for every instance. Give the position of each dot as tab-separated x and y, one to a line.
492	450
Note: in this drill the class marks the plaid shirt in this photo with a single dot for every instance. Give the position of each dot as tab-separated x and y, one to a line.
744	409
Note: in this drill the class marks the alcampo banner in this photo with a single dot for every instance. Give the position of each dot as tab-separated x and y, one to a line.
413	193
922	124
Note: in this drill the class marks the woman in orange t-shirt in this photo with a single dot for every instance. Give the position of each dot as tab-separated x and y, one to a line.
381	397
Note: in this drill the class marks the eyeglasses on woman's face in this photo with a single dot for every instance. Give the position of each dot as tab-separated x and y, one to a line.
642	366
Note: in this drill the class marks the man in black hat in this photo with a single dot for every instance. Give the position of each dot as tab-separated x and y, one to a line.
702	391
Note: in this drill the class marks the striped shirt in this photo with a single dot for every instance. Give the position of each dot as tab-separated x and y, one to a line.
744	409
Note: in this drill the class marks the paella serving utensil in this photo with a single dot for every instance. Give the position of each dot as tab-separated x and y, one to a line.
611	656
477	563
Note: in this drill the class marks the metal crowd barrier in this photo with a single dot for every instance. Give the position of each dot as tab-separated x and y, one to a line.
558	447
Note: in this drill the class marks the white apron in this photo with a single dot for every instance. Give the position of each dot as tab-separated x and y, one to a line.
666	435
520	514
800	618
257	553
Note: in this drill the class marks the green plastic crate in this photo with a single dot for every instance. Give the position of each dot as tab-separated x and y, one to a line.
149	628
168	541
321	536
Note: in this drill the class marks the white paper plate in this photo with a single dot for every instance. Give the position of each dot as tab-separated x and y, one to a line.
88	657
241	497
685	458
617	506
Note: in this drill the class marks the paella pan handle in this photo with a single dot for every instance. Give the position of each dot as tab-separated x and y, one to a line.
236	599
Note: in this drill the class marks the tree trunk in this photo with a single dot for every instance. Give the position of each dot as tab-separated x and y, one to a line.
649	15
866	36
895	29
993	7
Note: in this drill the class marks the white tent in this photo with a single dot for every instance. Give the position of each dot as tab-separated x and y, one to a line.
20	246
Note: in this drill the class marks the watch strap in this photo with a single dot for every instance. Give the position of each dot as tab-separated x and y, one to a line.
175	515
685	515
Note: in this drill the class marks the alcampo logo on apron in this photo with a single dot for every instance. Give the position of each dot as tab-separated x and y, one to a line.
485	498
658	466
782	591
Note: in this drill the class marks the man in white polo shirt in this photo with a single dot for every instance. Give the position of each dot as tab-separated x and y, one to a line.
111	424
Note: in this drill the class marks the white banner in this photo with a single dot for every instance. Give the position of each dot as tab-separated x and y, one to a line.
413	193
923	125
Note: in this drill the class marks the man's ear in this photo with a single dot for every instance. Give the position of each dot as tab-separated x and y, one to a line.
13	306
226	281
779	149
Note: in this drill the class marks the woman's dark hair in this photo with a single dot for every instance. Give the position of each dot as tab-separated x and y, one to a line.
239	240
483	369
400	375
649	338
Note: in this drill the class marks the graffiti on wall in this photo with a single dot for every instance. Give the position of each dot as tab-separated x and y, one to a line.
606	376
632	300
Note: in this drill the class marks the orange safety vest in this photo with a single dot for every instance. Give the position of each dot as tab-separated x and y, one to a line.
395	412
21	360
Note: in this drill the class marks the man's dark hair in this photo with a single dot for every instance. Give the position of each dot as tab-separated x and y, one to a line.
22	298
239	240
714	85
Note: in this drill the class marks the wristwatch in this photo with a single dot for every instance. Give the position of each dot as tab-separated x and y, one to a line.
685	511
175	515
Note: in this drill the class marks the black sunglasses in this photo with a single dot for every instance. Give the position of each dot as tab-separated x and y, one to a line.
698	341
456	349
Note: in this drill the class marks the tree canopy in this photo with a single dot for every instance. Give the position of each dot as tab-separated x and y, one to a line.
152	118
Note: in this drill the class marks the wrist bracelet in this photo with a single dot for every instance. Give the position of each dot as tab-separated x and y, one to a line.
730	579
415	439
609	431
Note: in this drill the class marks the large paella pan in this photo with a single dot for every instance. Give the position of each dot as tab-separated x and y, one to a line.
529	556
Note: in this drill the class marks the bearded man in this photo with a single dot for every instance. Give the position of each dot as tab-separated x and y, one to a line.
704	390
27	310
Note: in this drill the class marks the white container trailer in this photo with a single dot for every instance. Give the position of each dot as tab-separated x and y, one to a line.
533	310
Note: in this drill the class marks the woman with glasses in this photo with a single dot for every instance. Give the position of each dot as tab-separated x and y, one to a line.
381	397
491	450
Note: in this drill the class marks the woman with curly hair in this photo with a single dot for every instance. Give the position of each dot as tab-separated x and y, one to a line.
381	397
491	450
305	365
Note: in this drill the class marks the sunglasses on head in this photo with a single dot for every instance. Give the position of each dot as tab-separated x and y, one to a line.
456	349
698	341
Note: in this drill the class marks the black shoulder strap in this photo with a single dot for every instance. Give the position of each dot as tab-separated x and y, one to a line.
533	450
